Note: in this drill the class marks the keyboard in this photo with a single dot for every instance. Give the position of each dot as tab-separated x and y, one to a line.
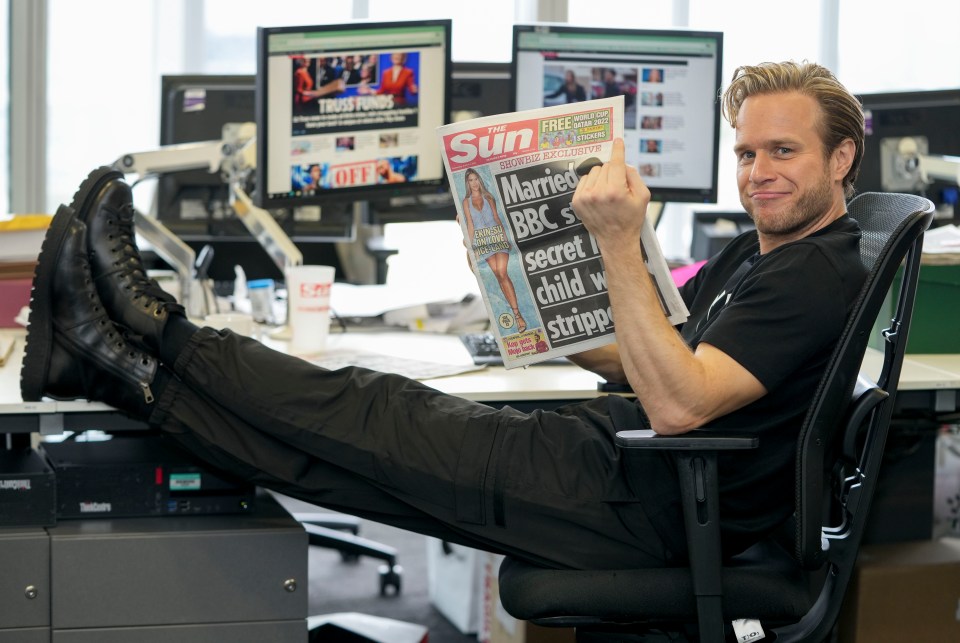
482	346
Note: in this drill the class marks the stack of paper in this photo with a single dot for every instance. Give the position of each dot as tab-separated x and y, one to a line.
941	246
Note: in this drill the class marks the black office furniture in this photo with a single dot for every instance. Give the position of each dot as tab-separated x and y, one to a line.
714	230
793	583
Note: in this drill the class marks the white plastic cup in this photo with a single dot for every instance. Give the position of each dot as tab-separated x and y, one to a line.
308	294
240	323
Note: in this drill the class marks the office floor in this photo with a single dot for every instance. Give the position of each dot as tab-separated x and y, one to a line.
336	586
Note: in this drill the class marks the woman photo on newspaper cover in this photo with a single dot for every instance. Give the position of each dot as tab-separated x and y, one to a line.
489	238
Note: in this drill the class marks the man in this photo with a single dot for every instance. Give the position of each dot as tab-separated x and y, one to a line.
614	87
549	487
610	85
350	74
325	71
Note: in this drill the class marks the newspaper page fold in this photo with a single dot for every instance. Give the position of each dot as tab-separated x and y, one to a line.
512	177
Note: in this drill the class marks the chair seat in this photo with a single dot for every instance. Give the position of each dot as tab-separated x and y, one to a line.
763	583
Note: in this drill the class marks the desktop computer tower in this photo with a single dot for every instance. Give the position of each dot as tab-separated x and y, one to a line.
139	476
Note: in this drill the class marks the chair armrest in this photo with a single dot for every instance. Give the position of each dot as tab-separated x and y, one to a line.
696	456
696	440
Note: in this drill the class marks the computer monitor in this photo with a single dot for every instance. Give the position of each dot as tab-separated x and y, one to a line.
480	89
195	204
195	108
713	230
349	112
932	120
670	81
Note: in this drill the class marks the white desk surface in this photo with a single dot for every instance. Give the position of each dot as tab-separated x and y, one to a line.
551	382
492	384
921	372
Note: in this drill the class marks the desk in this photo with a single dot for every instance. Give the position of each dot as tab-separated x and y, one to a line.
928	377
927	381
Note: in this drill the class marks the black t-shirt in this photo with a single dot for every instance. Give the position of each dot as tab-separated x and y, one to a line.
779	315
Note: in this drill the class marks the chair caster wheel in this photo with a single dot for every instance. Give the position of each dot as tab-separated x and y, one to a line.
390	577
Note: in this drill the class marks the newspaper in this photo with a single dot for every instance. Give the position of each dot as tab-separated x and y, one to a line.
539	270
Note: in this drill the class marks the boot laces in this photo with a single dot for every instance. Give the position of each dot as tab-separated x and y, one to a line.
131	266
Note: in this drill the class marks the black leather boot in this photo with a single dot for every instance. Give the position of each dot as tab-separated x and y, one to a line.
104	203
73	350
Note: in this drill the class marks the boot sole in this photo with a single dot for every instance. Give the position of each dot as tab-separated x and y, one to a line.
39	345
90	187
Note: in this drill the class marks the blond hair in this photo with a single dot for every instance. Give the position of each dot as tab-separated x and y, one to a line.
483	186
841	112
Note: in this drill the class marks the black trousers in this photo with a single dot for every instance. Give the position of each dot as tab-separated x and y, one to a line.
549	487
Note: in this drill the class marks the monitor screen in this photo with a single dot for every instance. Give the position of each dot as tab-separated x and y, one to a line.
930	119
350	111
669	80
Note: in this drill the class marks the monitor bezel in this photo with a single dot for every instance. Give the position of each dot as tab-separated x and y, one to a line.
358	193
909	98
659	194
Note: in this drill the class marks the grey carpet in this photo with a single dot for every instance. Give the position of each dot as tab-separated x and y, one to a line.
338	586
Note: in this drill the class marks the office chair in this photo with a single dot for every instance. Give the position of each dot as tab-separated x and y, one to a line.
794	581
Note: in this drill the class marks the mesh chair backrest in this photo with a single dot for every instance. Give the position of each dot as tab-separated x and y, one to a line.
880	215
890	224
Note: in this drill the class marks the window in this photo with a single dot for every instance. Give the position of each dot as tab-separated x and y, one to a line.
103	86
650	14
104	83
885	47
230	29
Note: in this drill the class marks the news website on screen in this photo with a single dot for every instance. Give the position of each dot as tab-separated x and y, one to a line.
668	81
354	107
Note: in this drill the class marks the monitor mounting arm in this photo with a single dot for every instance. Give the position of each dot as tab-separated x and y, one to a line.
235	158
906	165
